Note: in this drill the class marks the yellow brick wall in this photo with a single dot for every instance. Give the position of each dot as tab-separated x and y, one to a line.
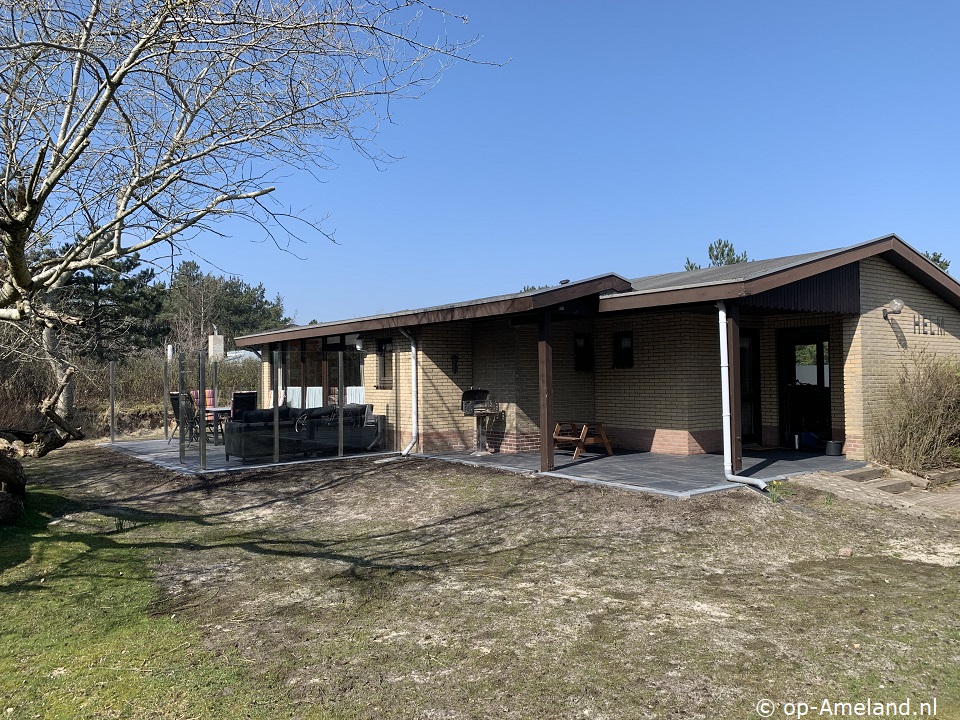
266	374
442	423
393	402
886	346
494	349
573	390
669	401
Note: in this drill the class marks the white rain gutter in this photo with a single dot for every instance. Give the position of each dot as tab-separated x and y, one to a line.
725	399
414	418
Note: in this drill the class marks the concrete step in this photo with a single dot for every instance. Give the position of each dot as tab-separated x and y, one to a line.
890	485
915	480
864	474
943	477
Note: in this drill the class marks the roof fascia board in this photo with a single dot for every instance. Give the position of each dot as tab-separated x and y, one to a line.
573	291
742	288
922	270
815	267
686	296
470	311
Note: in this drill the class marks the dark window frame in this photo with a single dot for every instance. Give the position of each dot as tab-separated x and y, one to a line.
384	374
622	356
584	357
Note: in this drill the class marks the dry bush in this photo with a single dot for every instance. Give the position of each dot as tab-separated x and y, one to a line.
22	386
237	375
921	426
139	380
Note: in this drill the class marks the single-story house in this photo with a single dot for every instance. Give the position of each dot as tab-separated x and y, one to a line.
778	352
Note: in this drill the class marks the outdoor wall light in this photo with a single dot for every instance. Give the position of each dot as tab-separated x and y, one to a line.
895	308
455	363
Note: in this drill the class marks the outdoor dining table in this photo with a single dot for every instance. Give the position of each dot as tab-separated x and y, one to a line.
217	414
580	434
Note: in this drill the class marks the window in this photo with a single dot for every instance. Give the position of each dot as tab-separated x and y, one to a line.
385	364
583	352
623	349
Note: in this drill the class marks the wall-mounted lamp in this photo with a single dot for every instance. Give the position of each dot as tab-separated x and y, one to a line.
455	363
896	306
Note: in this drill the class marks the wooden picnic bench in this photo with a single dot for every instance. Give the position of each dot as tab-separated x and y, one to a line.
581	434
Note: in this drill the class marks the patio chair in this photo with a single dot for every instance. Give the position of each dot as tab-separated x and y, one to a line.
190	420
209	401
242	401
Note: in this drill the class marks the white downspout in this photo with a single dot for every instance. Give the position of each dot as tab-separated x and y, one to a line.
414	416
725	399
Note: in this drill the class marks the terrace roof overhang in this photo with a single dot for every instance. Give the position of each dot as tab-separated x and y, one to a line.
825	281
574	297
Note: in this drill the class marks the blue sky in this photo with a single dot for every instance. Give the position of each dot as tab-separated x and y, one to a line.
626	136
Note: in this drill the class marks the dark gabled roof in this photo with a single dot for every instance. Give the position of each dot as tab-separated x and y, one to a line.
749	278
738	272
678	288
514	303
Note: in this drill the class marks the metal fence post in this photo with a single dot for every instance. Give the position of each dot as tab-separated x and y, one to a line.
182	362
166	398
113	395
202	406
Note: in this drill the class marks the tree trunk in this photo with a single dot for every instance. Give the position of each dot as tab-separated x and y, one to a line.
58	407
62	373
13	490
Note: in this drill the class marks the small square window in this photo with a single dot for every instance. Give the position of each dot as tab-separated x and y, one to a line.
583	356
623	349
385	364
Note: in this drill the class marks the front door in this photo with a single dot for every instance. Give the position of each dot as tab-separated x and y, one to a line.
804	381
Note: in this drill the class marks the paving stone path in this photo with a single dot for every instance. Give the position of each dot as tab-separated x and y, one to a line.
940	502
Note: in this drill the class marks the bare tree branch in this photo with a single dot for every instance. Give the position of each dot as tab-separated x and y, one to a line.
129	123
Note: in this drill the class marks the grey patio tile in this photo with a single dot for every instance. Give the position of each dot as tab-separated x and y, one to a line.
678	476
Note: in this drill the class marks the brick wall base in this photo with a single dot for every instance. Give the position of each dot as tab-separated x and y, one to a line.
512	442
853	448
451	440
671	442
770	435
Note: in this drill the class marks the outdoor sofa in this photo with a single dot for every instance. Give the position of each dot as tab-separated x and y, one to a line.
308	431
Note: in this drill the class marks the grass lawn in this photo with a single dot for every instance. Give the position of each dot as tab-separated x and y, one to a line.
419	589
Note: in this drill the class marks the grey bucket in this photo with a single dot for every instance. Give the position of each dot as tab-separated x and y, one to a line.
834	447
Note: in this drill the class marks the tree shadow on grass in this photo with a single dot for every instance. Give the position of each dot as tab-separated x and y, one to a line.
16	540
480	539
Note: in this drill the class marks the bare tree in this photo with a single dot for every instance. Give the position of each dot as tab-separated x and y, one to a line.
129	123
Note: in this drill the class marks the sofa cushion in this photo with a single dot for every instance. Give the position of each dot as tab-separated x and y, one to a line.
354	414
321	412
259	416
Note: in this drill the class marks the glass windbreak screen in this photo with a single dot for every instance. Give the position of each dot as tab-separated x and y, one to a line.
292	370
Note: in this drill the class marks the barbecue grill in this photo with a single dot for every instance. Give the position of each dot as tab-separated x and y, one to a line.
476	402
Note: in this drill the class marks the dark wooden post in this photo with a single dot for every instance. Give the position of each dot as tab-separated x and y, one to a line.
733	348
275	382
545	353
341	401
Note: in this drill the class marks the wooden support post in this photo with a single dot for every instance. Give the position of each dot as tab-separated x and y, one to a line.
341	401
275	382
733	348
545	353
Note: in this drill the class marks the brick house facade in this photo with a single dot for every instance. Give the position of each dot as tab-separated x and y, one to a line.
663	393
